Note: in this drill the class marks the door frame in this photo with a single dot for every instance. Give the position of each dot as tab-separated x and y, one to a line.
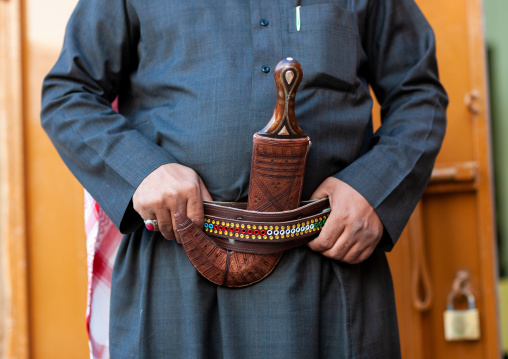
14	330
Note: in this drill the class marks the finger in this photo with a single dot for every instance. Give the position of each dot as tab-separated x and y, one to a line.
326	188
178	207
194	208
341	247
320	192
205	195
358	254
329	234
166	226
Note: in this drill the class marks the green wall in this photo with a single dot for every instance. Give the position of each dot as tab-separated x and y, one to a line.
496	28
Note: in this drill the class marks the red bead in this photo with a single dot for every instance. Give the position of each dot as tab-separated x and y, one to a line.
150	226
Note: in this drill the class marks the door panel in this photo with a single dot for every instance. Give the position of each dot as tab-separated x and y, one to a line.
455	216
57	274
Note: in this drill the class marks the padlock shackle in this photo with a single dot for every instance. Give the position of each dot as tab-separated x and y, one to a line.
471	301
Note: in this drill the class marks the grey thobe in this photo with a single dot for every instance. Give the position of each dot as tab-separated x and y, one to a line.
192	91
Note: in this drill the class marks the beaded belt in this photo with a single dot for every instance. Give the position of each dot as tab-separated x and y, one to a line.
238	247
238	229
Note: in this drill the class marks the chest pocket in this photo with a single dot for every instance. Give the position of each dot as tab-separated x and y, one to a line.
326	46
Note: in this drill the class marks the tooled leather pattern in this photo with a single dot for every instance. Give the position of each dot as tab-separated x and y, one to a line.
277	171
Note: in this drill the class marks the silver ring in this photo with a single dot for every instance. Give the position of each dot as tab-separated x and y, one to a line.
151	224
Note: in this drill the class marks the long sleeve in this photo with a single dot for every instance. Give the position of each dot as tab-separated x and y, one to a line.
102	149
401	67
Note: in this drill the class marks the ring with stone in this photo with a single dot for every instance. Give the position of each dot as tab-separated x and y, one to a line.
151	224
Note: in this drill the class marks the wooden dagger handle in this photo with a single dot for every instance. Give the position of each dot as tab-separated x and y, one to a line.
288	75
280	149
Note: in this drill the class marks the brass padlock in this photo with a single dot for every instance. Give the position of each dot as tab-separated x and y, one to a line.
462	324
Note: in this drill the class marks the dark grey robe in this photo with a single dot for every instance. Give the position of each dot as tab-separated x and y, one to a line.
192	91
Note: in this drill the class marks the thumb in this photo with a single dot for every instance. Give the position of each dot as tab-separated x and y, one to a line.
320	192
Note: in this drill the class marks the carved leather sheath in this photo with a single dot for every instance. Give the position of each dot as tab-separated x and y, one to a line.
276	180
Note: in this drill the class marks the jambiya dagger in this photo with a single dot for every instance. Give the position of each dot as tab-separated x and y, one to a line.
241	246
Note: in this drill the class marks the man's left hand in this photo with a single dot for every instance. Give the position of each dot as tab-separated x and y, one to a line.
352	230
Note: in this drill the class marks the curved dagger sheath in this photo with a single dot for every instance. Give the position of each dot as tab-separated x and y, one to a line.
277	169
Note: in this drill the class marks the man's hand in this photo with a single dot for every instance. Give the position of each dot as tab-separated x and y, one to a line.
169	189
352	230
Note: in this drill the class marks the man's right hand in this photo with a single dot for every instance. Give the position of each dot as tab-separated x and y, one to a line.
169	189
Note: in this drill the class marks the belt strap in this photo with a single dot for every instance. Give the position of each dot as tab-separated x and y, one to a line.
232	227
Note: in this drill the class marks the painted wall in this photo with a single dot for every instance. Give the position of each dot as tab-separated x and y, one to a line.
496	28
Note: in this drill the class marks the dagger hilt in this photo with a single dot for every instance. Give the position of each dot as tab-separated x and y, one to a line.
288	75
280	149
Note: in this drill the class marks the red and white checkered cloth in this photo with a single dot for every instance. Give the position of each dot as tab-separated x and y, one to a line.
102	241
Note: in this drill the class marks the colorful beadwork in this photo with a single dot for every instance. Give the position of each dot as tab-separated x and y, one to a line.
235	230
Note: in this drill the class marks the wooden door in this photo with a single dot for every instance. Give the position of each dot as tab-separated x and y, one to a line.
57	274
48	276
453	227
